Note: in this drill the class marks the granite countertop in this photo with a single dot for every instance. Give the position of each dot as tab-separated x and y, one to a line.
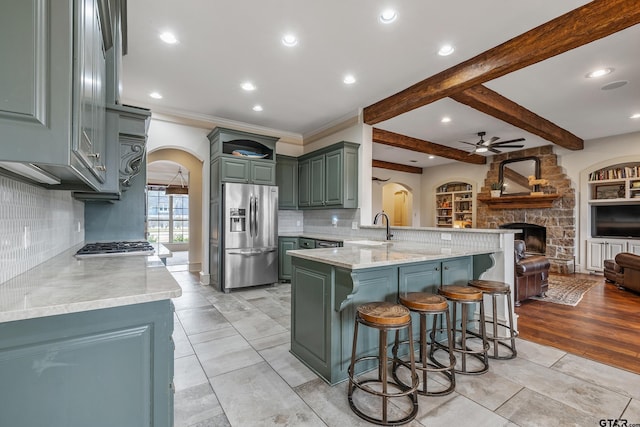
356	256
65	284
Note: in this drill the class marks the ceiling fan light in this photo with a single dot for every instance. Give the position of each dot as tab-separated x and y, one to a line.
482	149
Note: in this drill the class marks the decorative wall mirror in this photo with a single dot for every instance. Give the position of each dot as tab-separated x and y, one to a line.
515	173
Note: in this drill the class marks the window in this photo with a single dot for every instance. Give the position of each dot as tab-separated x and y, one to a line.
167	216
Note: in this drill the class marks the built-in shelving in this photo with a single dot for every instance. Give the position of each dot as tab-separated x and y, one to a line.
615	184
454	205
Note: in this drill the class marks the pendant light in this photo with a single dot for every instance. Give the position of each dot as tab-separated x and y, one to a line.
182	189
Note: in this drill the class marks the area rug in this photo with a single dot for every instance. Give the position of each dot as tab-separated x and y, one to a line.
566	290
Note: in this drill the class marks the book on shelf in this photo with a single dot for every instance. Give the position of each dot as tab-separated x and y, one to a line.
621	172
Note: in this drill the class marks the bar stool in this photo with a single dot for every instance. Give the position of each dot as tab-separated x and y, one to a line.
385	317
466	297
435	306
496	289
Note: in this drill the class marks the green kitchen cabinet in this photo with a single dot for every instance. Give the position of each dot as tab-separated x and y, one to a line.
329	177
100	368
284	261
324	299
253	161
53	112
287	182
304	183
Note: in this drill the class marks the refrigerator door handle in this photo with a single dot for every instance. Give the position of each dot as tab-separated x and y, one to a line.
251	215
255	216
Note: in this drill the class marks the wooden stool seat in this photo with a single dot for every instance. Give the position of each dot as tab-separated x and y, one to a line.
460	293
423	301
490	286
384	313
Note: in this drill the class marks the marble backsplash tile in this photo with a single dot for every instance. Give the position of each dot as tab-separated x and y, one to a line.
35	225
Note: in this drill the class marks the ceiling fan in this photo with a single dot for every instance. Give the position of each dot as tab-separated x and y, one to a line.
483	146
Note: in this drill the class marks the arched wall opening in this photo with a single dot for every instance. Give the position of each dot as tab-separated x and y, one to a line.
194	166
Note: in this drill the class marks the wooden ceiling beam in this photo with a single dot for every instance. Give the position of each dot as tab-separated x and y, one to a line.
593	21
386	137
396	167
492	103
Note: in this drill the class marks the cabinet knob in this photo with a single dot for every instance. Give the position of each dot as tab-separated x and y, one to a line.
101	168
446	268
437	268
95	156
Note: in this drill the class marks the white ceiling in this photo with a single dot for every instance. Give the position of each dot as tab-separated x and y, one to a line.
224	43
165	172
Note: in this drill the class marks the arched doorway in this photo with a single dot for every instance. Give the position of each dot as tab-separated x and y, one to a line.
397	202
162	167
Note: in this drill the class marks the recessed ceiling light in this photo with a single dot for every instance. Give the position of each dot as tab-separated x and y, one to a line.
349	79
248	86
168	38
257	108
289	40
599	73
432	157
482	149
155	95
445	119
614	85
446	50
388	16
635	116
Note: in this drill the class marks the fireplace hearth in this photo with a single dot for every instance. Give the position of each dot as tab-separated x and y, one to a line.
534	236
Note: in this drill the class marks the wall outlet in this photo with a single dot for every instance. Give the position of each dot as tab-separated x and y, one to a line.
354	225
334	222
79	229
298	223
445	236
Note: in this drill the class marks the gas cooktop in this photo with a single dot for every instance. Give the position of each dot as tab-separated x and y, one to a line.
115	249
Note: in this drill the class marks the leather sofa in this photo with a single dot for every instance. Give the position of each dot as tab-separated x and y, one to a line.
611	270
531	274
628	276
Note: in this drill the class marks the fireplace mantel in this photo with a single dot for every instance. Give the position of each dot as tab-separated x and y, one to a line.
519	202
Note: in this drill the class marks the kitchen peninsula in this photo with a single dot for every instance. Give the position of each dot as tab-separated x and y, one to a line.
328	284
88	342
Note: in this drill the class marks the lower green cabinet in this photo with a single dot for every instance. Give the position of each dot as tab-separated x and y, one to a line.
284	261
324	299
100	368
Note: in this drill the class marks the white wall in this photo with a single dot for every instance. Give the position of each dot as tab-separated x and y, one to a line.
434	177
412	181
597	153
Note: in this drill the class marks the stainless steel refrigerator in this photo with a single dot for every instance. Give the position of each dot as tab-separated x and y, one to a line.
250	238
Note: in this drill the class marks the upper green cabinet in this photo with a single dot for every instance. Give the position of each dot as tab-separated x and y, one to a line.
52	91
329	177
287	182
243	157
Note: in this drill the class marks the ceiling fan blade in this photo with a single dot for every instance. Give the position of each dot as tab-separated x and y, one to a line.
509	146
493	150
465	142
509	141
492	140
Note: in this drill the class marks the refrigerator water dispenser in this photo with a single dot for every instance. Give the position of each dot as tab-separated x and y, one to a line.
237	220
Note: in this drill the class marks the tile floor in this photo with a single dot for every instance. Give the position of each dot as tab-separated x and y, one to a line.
233	368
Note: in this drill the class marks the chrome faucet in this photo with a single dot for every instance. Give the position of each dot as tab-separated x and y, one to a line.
375	221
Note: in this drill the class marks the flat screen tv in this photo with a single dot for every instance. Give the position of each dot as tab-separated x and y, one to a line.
615	221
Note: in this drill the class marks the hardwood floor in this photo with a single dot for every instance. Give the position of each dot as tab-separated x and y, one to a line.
604	326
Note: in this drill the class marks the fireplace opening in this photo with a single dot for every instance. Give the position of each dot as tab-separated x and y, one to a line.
534	236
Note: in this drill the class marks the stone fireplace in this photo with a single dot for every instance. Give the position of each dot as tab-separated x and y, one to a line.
558	221
534	236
